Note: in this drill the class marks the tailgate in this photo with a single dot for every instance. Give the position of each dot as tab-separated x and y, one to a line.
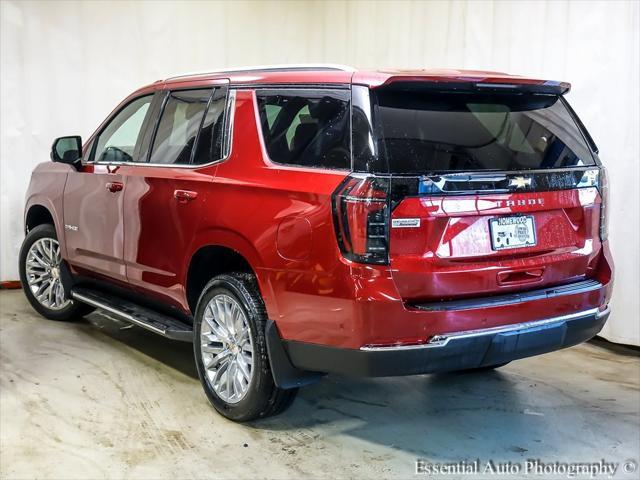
448	245
491	189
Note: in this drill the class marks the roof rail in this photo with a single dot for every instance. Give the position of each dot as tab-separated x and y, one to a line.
301	67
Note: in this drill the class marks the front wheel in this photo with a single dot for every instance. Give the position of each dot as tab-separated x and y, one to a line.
40	274
231	352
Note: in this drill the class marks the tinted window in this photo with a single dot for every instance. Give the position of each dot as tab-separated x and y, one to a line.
423	132
211	135
117	142
179	124
306	128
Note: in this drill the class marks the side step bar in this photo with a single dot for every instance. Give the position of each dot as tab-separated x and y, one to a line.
138	315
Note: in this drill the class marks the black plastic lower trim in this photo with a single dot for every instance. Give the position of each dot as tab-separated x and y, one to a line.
458	351
285	375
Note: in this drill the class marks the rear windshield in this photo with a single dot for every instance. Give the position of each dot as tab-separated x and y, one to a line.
419	132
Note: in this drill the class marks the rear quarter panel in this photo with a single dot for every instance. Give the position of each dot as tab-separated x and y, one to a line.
280	219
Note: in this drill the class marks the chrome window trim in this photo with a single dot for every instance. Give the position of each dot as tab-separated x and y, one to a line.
442	340
230	112
292	86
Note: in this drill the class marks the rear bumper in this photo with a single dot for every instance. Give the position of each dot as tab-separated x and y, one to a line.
362	307
453	351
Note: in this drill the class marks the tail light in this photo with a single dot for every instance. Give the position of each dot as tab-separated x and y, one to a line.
603	187
598	177
361	218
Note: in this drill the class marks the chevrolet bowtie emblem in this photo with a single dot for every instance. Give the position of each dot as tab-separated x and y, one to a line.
520	182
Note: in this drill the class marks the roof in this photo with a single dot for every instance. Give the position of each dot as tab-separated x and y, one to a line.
328	74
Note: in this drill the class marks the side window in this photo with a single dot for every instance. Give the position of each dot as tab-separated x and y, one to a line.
86	151
179	124
271	112
117	142
307	128
210	139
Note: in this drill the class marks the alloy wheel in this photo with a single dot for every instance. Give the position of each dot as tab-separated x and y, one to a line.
226	348
43	274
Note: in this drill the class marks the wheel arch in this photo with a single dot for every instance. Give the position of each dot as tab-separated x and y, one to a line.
215	259
36	215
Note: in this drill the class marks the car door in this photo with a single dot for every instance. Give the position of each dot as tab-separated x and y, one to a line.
94	195
166	197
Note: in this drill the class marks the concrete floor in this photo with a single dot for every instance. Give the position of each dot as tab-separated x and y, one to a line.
97	399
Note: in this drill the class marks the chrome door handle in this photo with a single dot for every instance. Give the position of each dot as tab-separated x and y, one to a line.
114	187
184	196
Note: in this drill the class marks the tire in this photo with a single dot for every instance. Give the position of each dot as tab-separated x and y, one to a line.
232	317
47	265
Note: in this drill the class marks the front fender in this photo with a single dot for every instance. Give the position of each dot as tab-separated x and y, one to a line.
46	189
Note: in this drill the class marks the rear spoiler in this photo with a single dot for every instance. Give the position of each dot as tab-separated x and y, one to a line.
472	84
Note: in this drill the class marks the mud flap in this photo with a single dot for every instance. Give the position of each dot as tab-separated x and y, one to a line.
285	375
67	279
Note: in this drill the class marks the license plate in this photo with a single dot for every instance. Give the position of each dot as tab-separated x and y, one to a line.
512	232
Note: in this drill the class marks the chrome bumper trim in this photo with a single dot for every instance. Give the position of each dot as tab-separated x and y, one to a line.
441	340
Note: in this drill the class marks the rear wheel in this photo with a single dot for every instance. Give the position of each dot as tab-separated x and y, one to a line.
40	274
231	352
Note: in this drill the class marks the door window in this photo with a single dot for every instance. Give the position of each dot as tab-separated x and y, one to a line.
117	142
210	138
179	125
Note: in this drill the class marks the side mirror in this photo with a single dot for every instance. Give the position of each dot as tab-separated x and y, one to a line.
67	150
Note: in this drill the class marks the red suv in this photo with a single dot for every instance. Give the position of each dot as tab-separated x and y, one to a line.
295	221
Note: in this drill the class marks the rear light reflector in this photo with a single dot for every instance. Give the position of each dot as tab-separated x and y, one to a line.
361	218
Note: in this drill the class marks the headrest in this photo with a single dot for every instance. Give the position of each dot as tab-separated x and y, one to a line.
325	108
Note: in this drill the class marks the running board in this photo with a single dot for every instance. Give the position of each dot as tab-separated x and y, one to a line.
146	318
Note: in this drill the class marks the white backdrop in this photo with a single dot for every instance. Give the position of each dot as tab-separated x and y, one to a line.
65	65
